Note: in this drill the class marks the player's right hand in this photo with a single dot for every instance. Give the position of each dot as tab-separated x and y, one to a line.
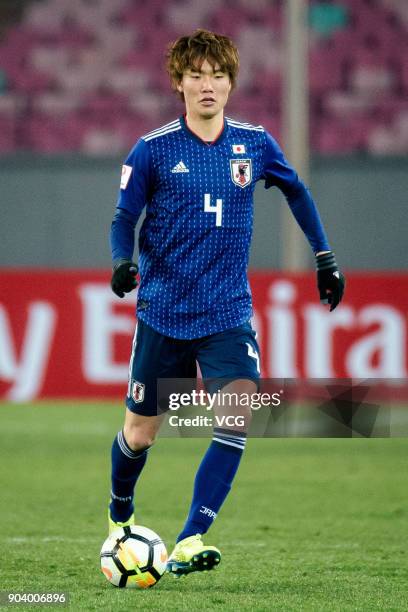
124	277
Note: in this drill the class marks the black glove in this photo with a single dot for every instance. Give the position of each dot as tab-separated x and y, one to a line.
330	281
124	277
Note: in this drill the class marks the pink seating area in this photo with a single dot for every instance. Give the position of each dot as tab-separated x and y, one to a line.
89	76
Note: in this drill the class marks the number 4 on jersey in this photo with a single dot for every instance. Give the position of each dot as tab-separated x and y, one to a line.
217	209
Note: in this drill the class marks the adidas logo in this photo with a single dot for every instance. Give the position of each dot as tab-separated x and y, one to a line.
180	167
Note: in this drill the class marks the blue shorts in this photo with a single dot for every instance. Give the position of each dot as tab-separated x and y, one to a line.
223	357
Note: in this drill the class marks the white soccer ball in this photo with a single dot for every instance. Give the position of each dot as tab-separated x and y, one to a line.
133	557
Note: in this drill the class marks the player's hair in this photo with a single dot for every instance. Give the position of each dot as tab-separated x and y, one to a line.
191	51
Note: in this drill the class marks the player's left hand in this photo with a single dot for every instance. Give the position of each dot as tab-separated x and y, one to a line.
330	281
124	277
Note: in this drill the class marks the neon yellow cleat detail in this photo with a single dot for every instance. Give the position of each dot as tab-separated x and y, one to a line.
191	555
113	525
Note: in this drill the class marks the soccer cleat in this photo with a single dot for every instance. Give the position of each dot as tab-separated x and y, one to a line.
191	555
113	525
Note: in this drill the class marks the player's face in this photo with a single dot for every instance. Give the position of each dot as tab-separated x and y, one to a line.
205	90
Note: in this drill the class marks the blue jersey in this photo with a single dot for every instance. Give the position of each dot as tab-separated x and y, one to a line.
194	242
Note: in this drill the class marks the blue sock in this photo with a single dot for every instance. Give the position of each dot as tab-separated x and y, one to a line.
126	468
213	480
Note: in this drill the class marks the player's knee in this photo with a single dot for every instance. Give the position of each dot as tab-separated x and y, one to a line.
137	439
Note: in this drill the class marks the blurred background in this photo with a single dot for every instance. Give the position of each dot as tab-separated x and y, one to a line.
82	80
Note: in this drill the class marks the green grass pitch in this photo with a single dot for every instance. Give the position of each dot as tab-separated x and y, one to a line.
310	524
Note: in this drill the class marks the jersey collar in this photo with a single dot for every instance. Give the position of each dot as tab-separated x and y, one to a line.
195	136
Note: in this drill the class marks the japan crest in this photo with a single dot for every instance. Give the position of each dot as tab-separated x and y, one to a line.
138	390
241	171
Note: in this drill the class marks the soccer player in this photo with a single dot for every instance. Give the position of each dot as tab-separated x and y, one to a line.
196	177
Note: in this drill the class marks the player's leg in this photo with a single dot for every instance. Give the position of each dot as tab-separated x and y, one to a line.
211	486
142	421
129	454
231	361
154	356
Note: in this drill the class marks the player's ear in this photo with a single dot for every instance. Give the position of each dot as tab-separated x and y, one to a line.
179	87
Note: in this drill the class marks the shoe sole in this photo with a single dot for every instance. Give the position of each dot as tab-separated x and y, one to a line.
200	562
